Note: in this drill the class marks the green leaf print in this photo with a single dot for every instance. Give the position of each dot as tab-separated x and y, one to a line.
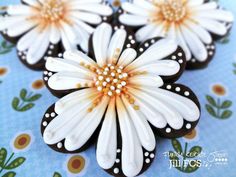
195	151
25	101
226	114
177	146
218	108
184	161
3	155
192	167
5	47
9	174
8	164
211	110
15	163
226	104
56	174
211	100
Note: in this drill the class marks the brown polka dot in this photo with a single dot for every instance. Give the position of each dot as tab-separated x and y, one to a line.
219	90
3	71
38	84
76	164
191	135
22	141
116	3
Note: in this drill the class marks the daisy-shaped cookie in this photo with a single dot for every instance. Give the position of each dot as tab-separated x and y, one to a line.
120	97
194	24
44	28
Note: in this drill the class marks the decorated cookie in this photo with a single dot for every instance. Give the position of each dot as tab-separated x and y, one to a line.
42	28
194	24
122	97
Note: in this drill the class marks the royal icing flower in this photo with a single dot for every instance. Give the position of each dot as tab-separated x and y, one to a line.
44	28
194	24
122	95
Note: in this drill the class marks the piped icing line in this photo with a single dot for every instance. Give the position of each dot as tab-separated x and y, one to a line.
57	22
107	140
116	98
192	25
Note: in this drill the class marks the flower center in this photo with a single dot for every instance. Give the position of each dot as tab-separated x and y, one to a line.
52	10
111	80
173	10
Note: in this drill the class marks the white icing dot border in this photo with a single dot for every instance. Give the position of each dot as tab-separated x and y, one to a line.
178	56
131	39
48	115
59	145
116	170
178	89
210	50
188	125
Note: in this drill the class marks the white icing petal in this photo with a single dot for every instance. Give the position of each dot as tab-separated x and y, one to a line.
181	41
206	6
54	34
217	14
195	2
172	31
26	40
159	31
83	25
133	20
157	51
143	129
213	26
69	32
116	45
101	39
161	68
22	28
133	9
127	56
79	135
107	140
154	117
69	80
79	57
12	21
171	115
19	10
144	32
67	43
88	17
82	38
62	125
203	34
196	46
186	107
58	65
76	2
144	4
132	153
31	2
74	98
147	80
38	48
94	8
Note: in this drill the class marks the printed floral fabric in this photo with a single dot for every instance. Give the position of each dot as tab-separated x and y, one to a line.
209	150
